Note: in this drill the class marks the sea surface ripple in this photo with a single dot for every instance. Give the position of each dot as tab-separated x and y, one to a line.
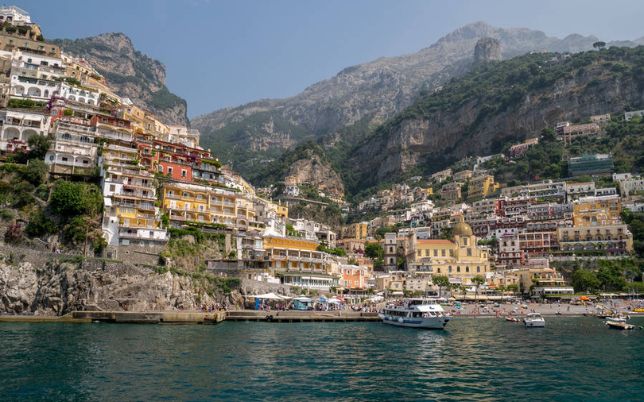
474	359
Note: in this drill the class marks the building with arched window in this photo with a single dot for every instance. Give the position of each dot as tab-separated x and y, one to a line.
460	258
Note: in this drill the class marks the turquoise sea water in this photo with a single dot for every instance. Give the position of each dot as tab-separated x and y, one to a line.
474	359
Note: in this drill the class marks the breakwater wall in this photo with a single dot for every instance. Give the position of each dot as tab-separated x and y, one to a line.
172	317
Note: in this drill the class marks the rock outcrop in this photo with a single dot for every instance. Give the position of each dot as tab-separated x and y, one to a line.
57	288
130	73
487	49
317	173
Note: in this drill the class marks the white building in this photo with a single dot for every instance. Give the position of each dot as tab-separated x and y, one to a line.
631	185
79	94
183	135
14	15
636	113
20	125
74	150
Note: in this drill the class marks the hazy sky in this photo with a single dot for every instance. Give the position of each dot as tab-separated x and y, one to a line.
225	53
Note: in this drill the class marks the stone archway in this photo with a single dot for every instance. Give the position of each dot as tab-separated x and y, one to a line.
28	133
34	91
11	133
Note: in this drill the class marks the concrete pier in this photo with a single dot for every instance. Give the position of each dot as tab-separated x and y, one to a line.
175	317
161	317
301	316
153	317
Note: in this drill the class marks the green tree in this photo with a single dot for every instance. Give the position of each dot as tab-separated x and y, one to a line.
374	251
442	281
512	288
548	135
39	145
39	224
335	251
35	172
611	276
599	45
478	280
585	281
70	199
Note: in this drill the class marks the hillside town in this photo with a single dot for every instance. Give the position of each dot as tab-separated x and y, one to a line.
158	185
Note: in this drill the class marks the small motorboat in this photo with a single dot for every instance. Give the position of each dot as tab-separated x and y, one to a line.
534	320
511	319
618	323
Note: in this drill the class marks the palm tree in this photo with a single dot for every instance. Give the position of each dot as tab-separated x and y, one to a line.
441	281
478	280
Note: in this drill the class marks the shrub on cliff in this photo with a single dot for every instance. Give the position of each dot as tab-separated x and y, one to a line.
70	199
13	234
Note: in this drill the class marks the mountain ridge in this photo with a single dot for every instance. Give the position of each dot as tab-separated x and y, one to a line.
364	95
130	73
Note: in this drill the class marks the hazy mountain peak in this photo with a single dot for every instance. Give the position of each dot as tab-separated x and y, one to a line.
473	30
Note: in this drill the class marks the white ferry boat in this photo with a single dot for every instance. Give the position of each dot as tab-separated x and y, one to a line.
415	313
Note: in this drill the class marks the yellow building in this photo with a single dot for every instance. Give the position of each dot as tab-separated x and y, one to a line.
356	231
282	210
593	211
190	203
155	127
481	186
135	115
196	203
460	259
9	42
602	239
298	263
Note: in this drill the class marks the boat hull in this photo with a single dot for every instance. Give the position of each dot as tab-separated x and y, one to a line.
534	324
619	325
413	322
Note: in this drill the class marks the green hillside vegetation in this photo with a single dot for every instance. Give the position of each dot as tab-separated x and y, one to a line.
548	159
498	90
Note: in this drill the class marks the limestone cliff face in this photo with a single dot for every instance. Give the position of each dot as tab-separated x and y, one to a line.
317	173
130	73
497	104
365	95
487	49
56	288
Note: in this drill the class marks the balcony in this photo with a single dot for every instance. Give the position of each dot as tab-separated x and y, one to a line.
23	123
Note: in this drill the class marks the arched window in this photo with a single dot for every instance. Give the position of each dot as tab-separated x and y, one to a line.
467	269
66	136
458	269
449	269
478	269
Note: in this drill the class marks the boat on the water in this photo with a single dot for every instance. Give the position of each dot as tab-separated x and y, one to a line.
511	319
618	323
415	313
534	320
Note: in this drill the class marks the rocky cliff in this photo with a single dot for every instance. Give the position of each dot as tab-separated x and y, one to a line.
318	173
362	96
487	49
496	104
58	287
130	73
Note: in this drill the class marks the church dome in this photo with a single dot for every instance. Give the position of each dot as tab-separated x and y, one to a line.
461	228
